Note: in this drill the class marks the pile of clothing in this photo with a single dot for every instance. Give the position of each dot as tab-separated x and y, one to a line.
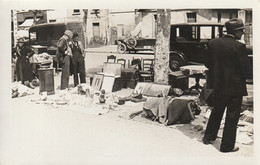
41	58
169	110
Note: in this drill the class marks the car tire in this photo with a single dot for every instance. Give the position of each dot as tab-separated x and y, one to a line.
132	42
176	62
121	48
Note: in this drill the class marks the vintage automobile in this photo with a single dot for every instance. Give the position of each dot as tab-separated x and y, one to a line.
44	37
134	44
189	42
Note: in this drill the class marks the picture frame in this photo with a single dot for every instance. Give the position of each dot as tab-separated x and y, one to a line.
97	81
108	83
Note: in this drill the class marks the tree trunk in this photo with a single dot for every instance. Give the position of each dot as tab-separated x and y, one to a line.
85	17
161	61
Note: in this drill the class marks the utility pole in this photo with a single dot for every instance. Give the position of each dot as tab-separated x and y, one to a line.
162	46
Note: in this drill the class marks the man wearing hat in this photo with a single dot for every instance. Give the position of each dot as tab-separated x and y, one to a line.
229	68
64	55
23	66
78	60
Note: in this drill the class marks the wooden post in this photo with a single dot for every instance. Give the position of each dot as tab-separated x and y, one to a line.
161	61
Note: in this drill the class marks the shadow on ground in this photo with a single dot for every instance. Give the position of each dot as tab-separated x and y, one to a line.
190	131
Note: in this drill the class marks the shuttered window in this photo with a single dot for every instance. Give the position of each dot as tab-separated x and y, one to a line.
96	30
191	17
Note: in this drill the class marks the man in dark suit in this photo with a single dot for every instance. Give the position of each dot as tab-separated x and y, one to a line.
228	70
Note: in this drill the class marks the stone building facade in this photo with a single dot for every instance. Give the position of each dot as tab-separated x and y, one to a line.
106	26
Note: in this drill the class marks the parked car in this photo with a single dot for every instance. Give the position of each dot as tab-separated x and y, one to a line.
44	37
134	44
189	42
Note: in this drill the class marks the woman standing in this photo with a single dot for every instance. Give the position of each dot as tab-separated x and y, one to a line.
23	66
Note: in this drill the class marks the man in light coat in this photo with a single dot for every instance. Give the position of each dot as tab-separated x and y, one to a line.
64	54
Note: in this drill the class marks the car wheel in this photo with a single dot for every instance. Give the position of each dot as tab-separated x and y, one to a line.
121	48
132	42
176	62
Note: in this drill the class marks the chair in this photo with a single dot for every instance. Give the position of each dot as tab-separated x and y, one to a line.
138	62
111	58
147	73
121	61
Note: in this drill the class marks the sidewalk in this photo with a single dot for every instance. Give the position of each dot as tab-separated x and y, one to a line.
103	49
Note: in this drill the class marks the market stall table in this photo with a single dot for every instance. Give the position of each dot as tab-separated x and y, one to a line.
197	72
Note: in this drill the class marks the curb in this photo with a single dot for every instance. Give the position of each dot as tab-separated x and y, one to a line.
90	51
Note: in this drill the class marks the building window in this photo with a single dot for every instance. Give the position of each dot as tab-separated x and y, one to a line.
52	20
248	28
76	12
233	15
191	17
120	30
96	30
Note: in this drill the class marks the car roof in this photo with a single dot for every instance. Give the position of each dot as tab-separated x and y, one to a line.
198	24
54	24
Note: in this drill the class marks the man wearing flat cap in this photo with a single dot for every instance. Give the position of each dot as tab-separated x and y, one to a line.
64	55
229	68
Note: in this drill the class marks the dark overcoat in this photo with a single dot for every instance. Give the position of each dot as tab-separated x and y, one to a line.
23	65
228	65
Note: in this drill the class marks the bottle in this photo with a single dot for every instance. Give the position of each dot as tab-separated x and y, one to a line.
102	98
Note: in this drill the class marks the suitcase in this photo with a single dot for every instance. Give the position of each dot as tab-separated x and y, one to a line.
129	77
179	80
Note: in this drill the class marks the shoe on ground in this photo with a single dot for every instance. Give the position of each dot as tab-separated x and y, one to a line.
26	83
206	141
31	85
235	149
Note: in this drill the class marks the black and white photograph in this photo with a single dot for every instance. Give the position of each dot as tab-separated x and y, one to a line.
166	84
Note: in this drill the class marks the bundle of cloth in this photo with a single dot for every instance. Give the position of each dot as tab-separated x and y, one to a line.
41	58
169	111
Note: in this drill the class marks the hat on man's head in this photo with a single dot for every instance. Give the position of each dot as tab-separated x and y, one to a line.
21	40
68	33
234	24
75	34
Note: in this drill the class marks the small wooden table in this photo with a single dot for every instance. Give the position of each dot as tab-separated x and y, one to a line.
197	72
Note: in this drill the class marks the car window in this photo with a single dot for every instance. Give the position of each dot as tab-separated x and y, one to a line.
205	32
186	33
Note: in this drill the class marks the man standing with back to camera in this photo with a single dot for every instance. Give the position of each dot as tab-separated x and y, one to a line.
229	68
